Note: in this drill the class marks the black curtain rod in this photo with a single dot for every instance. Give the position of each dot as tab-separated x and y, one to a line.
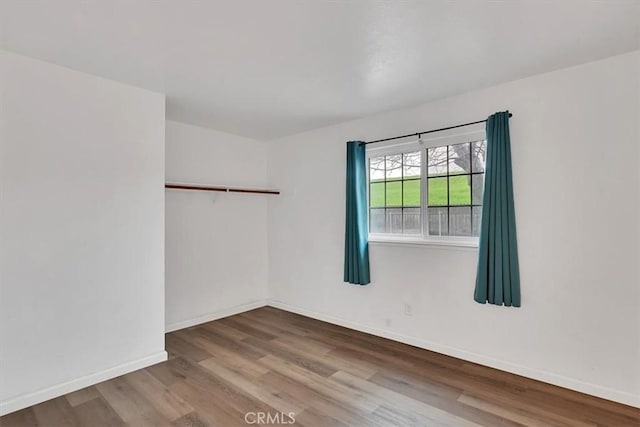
425	132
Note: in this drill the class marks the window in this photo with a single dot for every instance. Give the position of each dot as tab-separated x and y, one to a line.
429	190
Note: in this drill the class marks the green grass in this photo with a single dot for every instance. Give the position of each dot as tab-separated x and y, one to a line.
460	192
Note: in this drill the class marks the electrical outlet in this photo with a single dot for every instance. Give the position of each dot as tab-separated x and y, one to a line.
407	309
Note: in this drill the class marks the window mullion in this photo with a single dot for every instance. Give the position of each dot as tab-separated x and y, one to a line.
385	194
471	186
402	192
368	160
423	191
448	181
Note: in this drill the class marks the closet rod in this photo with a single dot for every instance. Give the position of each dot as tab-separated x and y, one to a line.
221	189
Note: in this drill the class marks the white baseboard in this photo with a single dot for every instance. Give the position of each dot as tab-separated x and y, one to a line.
219	314
544	376
26	400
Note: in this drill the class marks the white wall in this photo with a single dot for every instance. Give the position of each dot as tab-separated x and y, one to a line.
81	230
575	142
216	243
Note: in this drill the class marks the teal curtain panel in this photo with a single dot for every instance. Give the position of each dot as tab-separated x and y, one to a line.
356	245
498	278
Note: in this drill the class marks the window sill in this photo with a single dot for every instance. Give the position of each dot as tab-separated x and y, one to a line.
462	242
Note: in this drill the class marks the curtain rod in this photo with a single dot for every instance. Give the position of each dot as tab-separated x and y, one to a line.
221	189
418	134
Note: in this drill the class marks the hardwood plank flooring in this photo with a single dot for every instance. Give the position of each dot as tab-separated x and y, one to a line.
289	366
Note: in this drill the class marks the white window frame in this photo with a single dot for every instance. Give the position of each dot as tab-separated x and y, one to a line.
423	144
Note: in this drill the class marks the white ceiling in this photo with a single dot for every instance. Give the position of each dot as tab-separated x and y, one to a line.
266	69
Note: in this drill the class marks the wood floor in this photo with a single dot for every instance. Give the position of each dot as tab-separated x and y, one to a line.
271	363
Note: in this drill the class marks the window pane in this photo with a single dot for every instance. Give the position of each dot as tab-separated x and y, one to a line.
437	191
460	221
411	164
459	190
438	221
376	194
394	193
394	220
411	192
376	168
459	159
394	166
478	150
455	178
437	161
476	212
376	220
477	188
412	220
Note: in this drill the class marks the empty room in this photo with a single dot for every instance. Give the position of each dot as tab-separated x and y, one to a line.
339	213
